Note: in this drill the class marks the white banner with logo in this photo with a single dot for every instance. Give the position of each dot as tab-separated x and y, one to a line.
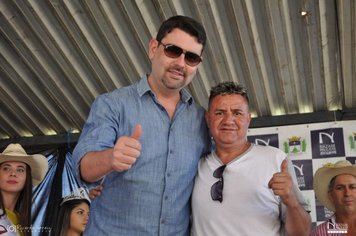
310	146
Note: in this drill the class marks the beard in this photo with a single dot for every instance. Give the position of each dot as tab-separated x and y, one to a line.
175	78
171	84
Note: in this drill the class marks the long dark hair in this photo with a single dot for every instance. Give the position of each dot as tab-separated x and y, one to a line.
23	204
64	216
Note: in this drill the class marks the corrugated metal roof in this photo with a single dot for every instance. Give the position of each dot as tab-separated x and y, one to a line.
57	56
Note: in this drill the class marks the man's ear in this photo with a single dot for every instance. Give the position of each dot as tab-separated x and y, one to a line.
152	47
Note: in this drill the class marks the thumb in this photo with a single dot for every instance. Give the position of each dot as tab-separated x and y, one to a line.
137	132
284	166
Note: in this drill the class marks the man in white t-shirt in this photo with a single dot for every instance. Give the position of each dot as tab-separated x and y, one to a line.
244	189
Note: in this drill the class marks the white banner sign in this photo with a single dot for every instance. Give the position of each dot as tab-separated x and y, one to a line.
310	146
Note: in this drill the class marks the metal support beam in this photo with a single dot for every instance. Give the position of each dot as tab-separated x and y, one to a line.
313	117
39	144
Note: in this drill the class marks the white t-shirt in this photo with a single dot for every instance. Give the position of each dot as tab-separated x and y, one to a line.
249	207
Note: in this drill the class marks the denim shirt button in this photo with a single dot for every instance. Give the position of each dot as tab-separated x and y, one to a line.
163	221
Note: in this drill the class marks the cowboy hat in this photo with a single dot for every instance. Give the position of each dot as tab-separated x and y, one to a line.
37	162
323	177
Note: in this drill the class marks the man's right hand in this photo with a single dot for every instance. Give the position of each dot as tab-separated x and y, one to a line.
95	192
126	150
96	164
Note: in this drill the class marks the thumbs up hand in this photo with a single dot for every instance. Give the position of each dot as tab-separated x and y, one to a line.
126	150
282	185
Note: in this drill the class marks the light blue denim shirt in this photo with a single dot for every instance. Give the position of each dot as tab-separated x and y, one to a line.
153	197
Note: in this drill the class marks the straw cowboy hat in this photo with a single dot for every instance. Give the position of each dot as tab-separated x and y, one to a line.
37	162
323	177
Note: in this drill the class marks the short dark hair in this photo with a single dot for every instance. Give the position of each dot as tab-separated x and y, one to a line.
228	88
184	23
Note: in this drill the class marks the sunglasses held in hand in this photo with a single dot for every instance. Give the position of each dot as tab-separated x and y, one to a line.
173	51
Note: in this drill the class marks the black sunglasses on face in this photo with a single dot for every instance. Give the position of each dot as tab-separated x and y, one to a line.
173	51
217	188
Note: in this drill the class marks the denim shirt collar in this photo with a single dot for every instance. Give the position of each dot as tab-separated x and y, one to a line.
143	87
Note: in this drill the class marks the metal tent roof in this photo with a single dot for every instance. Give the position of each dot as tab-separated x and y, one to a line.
296	58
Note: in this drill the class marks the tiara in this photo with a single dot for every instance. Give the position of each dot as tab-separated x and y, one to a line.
78	194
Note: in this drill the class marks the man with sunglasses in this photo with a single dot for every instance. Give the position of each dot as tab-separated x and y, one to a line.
143	142
241	188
